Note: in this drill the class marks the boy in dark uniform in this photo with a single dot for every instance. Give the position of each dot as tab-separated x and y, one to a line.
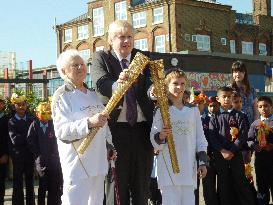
4	136
43	144
226	146
22	158
209	182
260	138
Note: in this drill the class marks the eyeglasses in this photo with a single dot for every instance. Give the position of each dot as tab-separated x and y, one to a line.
77	65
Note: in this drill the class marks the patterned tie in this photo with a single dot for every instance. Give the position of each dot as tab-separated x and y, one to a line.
131	112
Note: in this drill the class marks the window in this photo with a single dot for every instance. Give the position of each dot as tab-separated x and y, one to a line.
160	44
232	46
139	19
99	48
247	48
224	41
262	49
68	35
85	54
202	41
98	22
121	10
158	15
141	44
83	32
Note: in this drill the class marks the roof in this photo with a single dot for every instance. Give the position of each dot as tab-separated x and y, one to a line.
80	18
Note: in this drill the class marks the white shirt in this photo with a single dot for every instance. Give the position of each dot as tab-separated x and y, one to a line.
122	115
70	113
188	138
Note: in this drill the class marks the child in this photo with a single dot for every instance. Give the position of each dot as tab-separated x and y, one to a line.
209	182
189	139
227	151
43	144
22	158
4	136
260	136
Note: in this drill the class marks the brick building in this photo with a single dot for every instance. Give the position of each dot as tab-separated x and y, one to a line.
192	25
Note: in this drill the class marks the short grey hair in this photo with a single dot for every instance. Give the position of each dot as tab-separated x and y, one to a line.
117	27
63	60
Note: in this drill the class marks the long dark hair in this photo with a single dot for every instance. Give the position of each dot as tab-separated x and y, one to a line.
240	66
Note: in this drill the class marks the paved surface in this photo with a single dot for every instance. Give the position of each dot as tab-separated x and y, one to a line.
9	193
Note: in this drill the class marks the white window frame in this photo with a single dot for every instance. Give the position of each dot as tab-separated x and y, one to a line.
99	48
202	42
223	41
158	15
83	32
68	35
160	44
262	49
232	46
121	10
247	48
85	54
98	22
139	19
141	44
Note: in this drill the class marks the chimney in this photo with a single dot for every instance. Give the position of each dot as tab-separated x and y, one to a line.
261	7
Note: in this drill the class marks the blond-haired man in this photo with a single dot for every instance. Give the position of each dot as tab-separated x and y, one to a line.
130	122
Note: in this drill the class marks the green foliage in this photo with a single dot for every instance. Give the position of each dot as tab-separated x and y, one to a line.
31	99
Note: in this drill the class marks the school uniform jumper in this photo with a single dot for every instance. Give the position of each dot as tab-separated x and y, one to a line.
22	160
4	136
43	143
230	172
263	162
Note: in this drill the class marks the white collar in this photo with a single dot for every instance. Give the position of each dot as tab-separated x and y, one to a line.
19	118
222	110
128	58
43	125
264	118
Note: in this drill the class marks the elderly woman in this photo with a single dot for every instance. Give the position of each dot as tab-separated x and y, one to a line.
75	111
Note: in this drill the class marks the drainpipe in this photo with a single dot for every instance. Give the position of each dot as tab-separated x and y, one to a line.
169	22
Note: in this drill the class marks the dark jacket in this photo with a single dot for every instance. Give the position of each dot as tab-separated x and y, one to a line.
105	71
18	130
252	136
44	144
219	131
4	135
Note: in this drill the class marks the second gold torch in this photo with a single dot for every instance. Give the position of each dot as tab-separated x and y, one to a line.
157	73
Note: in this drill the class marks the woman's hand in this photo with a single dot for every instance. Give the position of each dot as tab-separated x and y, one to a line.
97	120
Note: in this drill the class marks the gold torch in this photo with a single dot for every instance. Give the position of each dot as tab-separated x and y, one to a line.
135	68
157	73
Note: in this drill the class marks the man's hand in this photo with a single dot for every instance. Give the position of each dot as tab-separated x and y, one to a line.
227	154
4	159
202	171
123	76
164	133
97	120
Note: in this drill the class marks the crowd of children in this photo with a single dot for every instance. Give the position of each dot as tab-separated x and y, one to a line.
29	141
214	146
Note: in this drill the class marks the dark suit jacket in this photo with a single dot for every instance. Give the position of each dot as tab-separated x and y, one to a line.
105	71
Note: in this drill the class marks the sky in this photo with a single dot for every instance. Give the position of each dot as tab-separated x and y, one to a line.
26	26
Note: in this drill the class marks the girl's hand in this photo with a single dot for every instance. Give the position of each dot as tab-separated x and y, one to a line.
202	171
164	133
